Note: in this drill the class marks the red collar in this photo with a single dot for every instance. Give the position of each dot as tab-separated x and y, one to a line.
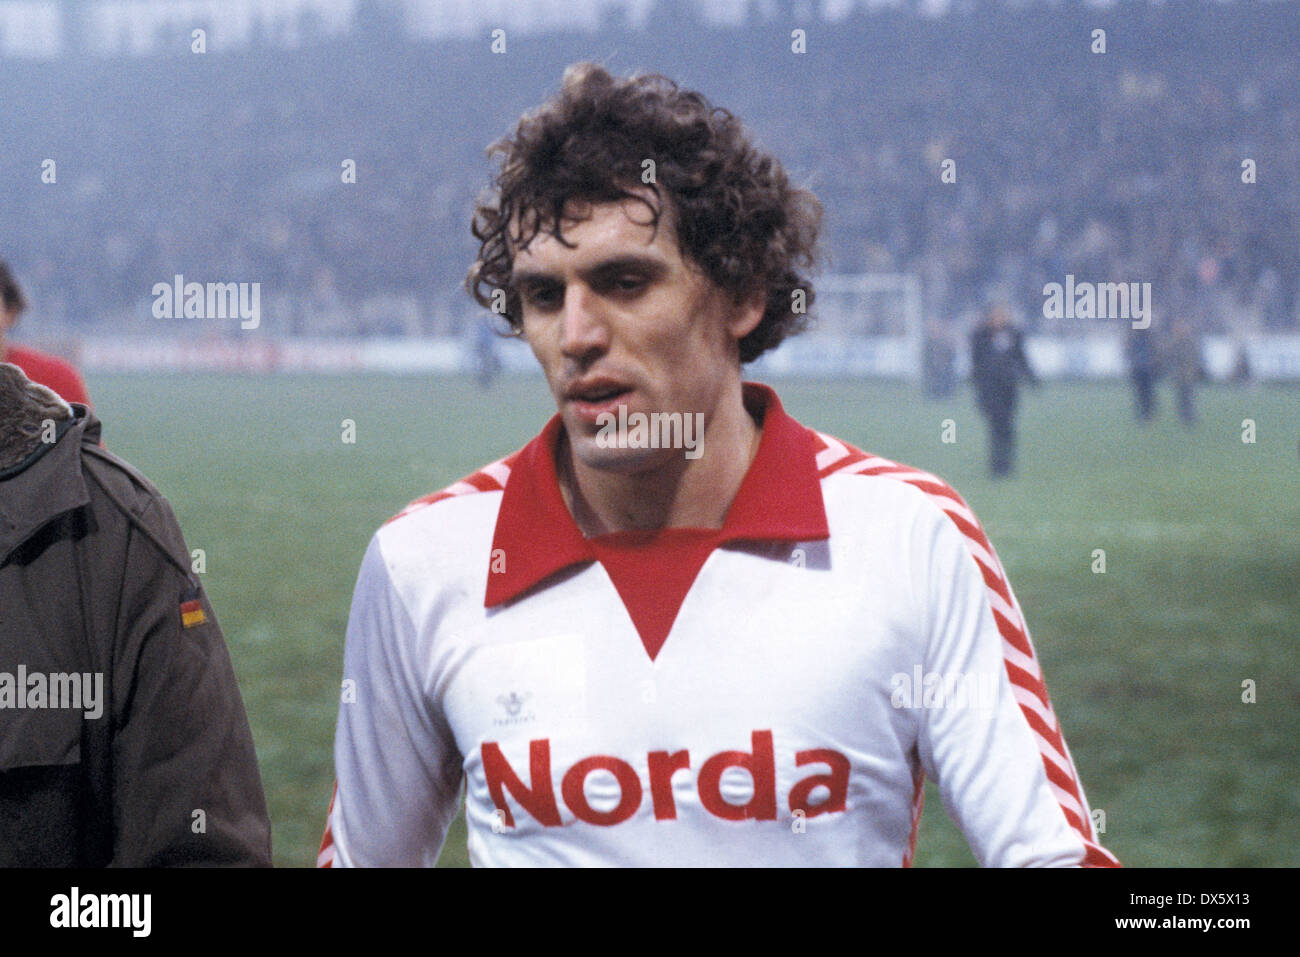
780	499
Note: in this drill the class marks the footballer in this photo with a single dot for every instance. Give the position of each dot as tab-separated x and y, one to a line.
753	654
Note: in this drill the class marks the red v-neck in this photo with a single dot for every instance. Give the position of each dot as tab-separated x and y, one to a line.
780	499
652	572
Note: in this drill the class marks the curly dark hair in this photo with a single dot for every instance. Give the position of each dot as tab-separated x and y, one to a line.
738	217
11	294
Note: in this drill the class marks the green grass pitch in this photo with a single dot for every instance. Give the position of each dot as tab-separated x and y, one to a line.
1145	663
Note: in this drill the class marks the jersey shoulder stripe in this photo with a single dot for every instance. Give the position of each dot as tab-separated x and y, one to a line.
490	478
325	856
835	457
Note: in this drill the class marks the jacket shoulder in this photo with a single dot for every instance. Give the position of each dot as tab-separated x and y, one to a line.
128	491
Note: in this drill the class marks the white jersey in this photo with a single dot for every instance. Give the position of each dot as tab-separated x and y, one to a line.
772	693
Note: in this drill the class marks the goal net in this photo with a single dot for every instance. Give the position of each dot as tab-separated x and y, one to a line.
867	324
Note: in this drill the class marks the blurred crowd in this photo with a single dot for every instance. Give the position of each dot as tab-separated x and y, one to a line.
1122	166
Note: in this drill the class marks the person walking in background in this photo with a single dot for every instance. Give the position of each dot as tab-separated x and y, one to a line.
42	368
940	358
1144	370
1183	359
998	364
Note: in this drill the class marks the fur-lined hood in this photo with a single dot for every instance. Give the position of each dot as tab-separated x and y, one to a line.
41	449
32	419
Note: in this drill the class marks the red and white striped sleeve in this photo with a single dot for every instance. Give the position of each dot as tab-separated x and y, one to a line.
1002	766
325	856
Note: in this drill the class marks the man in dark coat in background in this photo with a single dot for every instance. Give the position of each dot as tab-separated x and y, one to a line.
998	364
1143	369
123	739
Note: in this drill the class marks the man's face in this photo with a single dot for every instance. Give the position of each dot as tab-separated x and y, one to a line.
619	318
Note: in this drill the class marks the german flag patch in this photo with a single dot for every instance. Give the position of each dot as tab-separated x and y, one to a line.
192	614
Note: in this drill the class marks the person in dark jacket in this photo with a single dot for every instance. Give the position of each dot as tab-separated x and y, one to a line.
1143	369
123	738
998	364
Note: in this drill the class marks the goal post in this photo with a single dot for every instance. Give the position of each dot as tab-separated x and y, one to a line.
867	325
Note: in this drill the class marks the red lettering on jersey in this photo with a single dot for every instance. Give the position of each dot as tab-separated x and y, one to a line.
837	782
539	799
761	765
538	796
628	783
662	767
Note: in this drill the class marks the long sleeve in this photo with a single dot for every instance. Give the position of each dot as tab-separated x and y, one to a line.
997	755
397	768
186	789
